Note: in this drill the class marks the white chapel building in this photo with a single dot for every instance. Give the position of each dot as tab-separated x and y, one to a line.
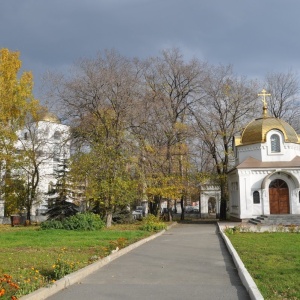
266	176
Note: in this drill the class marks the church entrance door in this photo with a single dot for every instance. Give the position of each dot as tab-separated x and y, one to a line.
279	197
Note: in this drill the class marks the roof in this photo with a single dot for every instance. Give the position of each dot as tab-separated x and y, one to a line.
251	163
50	117
256	131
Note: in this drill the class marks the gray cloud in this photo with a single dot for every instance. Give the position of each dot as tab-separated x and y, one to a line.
254	36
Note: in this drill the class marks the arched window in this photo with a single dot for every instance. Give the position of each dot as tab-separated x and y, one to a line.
57	135
256	199
279	184
275	143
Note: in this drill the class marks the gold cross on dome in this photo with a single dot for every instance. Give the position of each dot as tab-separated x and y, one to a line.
264	94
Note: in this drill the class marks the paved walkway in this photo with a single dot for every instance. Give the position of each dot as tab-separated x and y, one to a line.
188	261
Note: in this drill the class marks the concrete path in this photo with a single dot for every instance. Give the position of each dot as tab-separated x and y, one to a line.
189	261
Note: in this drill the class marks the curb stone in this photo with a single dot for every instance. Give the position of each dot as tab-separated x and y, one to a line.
244	275
75	277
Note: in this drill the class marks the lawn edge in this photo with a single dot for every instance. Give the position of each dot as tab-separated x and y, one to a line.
244	275
75	277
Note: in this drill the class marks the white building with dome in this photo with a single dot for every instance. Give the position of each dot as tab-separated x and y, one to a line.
49	140
266	176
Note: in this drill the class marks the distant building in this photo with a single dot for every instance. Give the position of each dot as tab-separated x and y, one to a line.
49	139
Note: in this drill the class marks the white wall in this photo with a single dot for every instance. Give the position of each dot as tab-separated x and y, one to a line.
53	146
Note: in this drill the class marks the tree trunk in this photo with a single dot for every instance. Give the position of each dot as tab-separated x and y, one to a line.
28	214
223	209
175	206
182	208
170	217
154	205
224	197
108	219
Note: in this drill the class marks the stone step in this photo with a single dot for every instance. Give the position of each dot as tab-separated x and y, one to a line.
254	221
276	220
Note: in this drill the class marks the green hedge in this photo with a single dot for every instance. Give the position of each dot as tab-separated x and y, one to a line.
85	221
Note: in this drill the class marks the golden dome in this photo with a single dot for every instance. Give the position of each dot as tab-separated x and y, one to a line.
50	117
256	131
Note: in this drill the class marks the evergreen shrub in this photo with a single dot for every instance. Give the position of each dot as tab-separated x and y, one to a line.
52	224
80	221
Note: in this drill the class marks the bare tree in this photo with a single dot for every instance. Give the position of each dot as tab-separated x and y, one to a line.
228	103
284	100
99	100
172	85
158	110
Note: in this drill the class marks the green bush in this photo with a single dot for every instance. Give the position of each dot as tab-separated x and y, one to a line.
85	221
152	223
52	224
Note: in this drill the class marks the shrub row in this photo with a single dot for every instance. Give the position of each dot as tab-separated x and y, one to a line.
80	221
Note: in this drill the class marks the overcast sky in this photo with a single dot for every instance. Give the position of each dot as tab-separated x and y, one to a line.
255	36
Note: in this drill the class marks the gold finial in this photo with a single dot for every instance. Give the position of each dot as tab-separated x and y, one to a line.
264	94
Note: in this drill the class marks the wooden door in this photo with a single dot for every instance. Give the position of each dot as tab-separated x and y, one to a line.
279	197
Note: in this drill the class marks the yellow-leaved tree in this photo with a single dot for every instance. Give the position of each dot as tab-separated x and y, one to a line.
16	102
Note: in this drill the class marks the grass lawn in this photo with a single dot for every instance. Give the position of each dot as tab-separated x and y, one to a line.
273	260
34	257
